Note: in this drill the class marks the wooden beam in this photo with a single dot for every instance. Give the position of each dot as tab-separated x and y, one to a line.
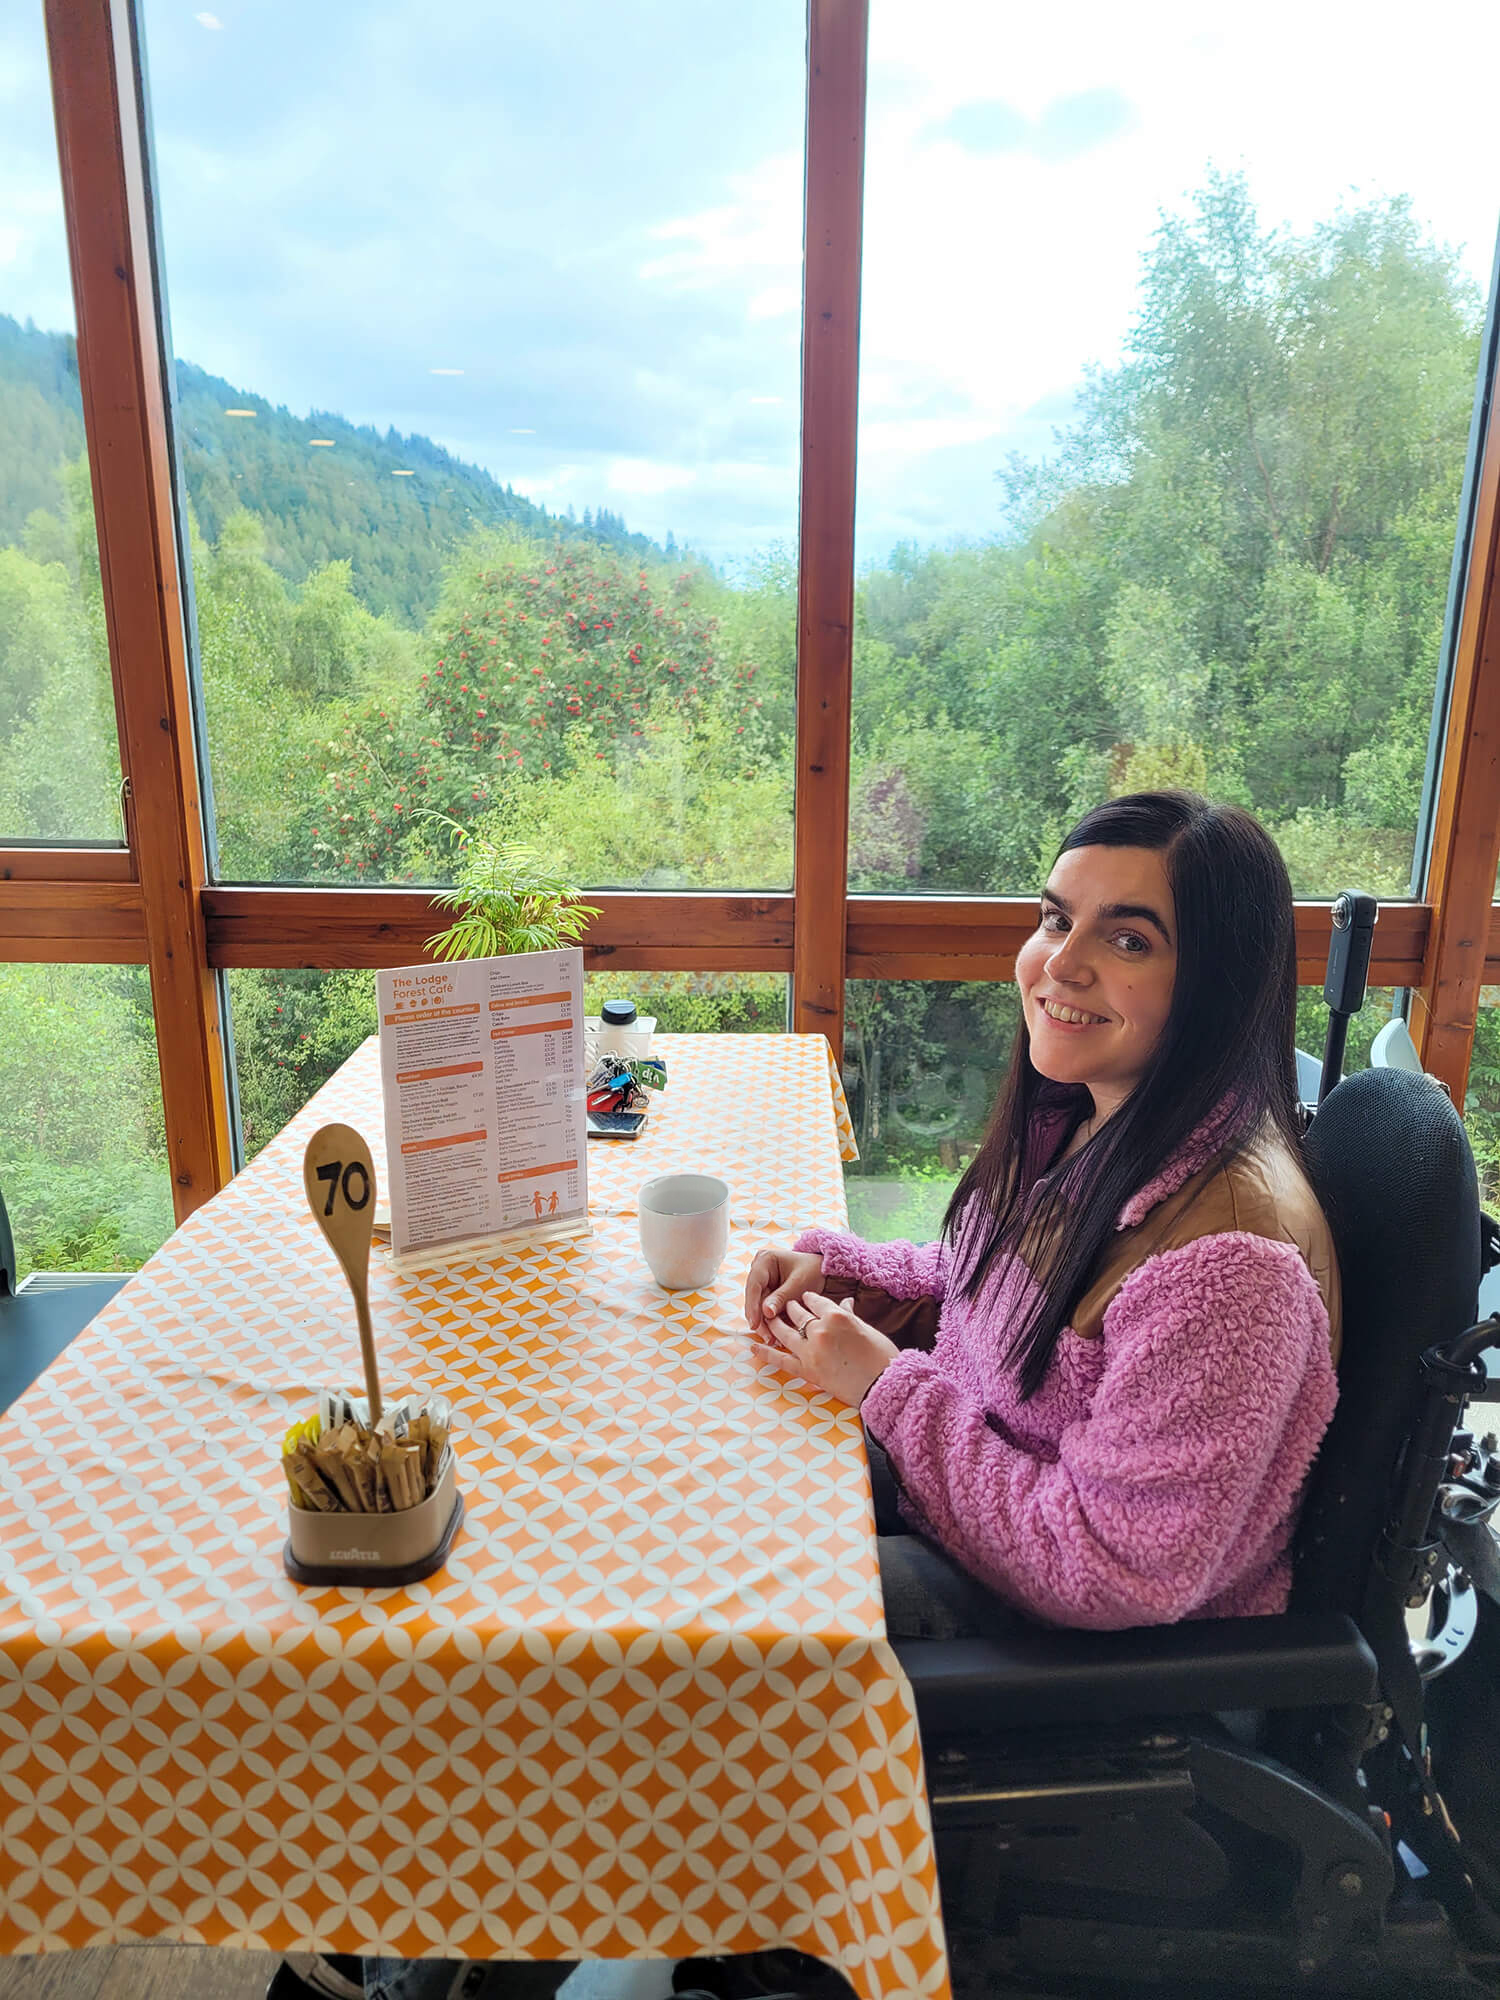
72	923
64	862
375	927
977	937
1397	952
889	937
836	52
120	369
1466	838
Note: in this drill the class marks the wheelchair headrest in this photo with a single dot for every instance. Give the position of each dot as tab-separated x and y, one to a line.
1389	1160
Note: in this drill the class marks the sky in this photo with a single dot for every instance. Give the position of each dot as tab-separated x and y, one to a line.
564	241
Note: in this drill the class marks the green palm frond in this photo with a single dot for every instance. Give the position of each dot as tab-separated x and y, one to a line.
508	900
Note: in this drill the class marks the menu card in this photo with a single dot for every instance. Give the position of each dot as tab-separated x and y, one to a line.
482	1069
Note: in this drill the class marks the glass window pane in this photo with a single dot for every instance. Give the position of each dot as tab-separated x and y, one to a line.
923	1064
83	1159
1167	489
60	775
698	1003
490	442
1312	1024
293	1029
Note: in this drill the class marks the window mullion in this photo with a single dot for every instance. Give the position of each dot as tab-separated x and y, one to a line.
836	55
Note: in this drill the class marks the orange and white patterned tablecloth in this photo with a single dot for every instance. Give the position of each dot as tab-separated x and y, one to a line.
647	1708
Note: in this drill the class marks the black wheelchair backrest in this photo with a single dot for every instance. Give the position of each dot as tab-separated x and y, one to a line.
1389	1160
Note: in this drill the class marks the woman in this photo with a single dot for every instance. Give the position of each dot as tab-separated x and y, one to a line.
1138	1297
1133	1362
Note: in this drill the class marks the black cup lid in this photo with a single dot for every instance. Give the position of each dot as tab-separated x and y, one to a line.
618	1013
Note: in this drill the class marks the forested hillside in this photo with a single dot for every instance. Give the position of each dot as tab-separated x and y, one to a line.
1231	573
346	498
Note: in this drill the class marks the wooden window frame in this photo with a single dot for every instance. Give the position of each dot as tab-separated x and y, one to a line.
104	157
152	902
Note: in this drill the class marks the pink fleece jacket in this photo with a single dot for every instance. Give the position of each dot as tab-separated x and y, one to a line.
1156	1473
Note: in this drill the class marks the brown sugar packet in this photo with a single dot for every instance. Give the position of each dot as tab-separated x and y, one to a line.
345	1485
356	1457
332	1460
439	1418
393	1478
369	1471
401	1465
309	1488
416	1441
371	1450
432	1458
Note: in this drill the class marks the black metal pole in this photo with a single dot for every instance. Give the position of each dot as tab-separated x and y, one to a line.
1333	1053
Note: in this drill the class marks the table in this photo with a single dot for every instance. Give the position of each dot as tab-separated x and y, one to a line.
647	1709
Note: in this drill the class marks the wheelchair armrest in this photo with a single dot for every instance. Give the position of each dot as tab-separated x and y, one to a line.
969	1687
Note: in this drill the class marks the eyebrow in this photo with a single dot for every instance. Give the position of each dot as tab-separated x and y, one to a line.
1113	912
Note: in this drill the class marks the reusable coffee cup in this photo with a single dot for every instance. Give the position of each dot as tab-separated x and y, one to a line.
684	1229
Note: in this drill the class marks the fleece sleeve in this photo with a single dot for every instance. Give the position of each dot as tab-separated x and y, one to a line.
905	1270
1216	1370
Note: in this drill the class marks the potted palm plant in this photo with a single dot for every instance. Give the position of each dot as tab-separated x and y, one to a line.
506	898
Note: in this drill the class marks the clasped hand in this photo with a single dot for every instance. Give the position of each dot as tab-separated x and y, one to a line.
795	1328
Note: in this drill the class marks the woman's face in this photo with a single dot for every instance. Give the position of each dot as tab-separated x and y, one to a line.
1096	976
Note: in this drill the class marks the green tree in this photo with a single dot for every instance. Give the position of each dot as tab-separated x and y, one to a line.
544	662
82	1152
1231	573
61	772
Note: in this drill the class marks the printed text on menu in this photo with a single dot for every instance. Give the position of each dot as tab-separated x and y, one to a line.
481	1064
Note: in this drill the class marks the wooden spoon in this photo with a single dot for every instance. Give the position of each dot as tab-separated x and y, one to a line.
339	1176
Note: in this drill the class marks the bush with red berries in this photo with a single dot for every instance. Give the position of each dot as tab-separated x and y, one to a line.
538	657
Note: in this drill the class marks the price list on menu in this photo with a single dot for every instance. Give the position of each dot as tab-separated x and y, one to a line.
482	1069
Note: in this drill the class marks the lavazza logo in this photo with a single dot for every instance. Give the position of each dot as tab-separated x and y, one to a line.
354	1555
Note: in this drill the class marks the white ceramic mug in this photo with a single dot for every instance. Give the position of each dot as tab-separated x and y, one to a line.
684	1229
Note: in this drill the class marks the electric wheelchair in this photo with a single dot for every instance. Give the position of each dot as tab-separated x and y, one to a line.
1245	1805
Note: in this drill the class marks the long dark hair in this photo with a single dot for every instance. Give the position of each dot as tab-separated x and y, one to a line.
1229	1040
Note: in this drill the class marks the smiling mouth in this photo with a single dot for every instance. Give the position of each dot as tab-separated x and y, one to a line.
1073	1017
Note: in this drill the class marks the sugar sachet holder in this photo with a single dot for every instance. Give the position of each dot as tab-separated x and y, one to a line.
374	1550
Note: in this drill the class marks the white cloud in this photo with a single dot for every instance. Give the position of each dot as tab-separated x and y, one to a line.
561	483
755	239
33	238
646	475
994	276
318	260
775	302
918	435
